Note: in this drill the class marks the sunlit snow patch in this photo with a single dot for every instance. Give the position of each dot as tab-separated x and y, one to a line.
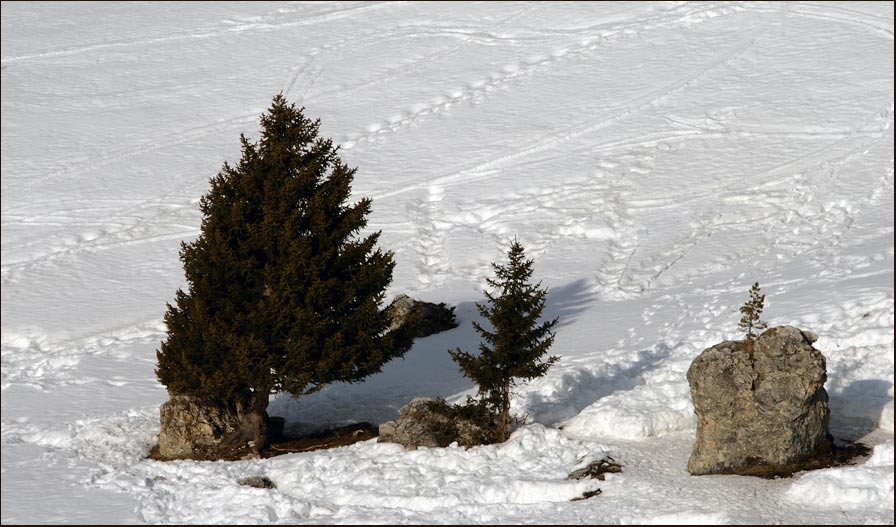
651	410
530	468
858	487
687	518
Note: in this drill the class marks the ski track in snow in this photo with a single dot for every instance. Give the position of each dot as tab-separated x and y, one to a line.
474	91
647	243
36	361
508	72
264	22
482	169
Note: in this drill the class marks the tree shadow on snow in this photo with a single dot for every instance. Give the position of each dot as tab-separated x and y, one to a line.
857	409
425	371
567	302
580	387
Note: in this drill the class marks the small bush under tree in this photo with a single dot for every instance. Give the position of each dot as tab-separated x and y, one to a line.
516	345
474	412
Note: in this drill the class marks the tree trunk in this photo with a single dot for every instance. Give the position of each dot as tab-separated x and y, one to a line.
504	419
252	435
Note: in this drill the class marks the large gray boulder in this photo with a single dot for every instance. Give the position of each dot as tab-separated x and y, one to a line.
431	423
425	317
760	404
191	429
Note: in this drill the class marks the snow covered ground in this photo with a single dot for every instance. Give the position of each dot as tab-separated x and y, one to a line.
654	158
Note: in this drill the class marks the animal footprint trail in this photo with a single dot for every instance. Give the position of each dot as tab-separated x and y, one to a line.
471	92
475	90
555	138
434	265
618	279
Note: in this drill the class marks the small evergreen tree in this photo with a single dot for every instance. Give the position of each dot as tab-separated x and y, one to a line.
515	347
282	294
752	310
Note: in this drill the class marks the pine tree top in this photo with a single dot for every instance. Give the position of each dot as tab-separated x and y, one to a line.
750	322
514	276
515	344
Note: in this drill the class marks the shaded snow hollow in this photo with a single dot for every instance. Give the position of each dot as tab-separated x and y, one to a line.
654	158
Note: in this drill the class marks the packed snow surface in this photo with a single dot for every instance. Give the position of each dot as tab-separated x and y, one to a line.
655	159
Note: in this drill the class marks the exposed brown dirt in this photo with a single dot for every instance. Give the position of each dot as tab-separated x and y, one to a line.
332	438
829	455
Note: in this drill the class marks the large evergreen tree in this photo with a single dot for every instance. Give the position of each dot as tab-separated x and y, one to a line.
517	343
283	294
